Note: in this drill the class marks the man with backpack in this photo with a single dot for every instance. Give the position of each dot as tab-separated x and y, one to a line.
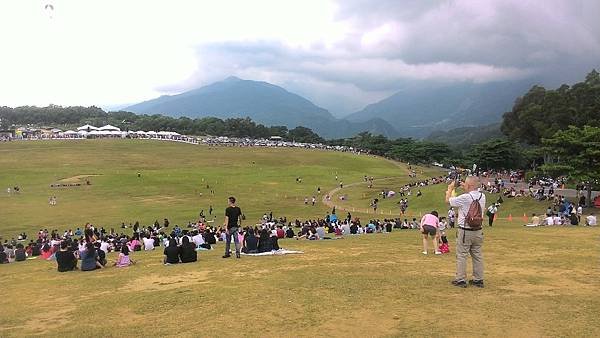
469	238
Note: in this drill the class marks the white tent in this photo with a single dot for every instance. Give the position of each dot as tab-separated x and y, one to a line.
87	127
82	132
70	132
108	127
95	132
140	132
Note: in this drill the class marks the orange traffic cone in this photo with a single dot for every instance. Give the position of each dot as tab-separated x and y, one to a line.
510	217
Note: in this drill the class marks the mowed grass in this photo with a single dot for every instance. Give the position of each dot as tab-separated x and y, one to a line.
540	281
173	182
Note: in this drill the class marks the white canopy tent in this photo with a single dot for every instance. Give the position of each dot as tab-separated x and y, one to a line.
87	127
108	127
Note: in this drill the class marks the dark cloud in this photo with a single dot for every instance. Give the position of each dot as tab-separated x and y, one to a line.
391	44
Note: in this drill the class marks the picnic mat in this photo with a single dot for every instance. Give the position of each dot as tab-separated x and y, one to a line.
273	253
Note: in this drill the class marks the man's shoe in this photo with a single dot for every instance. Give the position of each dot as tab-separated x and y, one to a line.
237	255
460	283
476	283
424	252
226	256
438	252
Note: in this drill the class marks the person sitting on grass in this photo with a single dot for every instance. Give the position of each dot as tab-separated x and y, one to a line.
46	251
20	254
124	260
289	233
264	241
148	243
134	243
3	256
65	259
187	251
89	258
250	242
101	254
535	221
591	220
171	252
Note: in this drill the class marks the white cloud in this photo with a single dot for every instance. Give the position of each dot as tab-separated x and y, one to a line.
340	53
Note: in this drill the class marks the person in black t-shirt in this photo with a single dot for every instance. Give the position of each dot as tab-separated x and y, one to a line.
250	242
290	233
65	259
232	222
172	252
187	251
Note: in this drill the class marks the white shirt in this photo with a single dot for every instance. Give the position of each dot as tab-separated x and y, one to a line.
557	220
591	220
104	246
198	239
579	210
463	202
148	243
346	229
549	220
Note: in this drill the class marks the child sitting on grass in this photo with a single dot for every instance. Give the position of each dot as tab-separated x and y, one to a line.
124	260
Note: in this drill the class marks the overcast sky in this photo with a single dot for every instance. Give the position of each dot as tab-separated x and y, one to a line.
340	54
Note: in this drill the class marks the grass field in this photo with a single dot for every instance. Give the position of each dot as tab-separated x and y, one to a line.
539	282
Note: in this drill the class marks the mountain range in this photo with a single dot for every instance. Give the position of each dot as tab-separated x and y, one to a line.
418	111
264	103
414	112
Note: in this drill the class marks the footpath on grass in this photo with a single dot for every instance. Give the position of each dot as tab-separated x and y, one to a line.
331	204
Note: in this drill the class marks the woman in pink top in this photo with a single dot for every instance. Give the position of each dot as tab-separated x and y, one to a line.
133	243
429	226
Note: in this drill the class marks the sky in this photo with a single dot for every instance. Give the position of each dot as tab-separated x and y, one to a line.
340	54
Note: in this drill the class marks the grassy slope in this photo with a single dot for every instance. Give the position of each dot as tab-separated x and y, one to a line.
541	282
171	182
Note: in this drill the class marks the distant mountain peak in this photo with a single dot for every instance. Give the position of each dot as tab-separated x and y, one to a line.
263	102
232	78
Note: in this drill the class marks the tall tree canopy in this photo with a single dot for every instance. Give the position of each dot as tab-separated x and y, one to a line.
576	153
541	113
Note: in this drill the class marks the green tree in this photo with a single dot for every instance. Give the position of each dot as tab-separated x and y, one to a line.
540	113
496	154
304	135
576	153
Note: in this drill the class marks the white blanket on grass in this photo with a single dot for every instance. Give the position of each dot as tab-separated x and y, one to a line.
272	253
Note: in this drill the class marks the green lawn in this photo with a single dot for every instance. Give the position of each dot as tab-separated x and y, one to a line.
540	282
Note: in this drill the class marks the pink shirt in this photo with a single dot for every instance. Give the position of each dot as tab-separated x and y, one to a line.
430	219
123	261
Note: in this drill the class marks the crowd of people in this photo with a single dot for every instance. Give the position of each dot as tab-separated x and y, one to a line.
271	143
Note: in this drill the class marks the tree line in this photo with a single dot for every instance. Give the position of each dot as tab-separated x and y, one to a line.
72	117
542	132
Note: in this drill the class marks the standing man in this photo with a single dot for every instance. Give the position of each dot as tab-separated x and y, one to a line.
491	213
232	222
469	239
